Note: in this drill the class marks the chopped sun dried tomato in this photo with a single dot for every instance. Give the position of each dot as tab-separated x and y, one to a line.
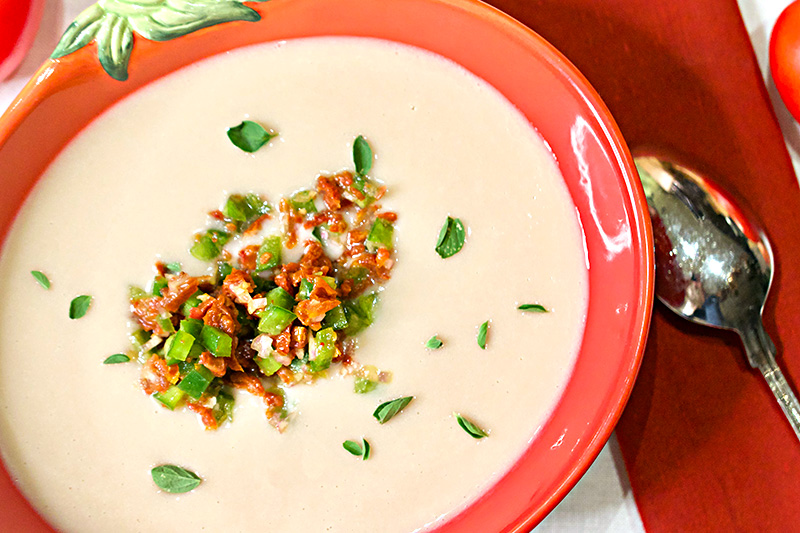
311	311
206	414
179	289
299	337
157	375
247	382
283	342
217	365
255	227
220	313
248	256
149	313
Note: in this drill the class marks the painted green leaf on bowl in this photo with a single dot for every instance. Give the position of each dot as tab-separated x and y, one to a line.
112	23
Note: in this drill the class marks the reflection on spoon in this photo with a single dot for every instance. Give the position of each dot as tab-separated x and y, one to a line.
713	265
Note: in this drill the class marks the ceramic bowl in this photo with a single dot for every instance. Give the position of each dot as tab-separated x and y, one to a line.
68	92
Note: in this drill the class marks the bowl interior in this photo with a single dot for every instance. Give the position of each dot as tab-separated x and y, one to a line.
66	94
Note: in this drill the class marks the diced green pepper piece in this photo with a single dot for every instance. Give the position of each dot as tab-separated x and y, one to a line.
210	244
192	326
322	349
181	345
236	208
268	365
196	381
274	319
193	301
269	255
139	338
216	341
224	270
170	398
160	282
367	188
136	293
281	298
364	385
223	409
357	274
335	318
306	285
360	312
381	234
165	323
304	200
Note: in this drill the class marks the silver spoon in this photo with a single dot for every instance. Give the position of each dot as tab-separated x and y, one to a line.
713	265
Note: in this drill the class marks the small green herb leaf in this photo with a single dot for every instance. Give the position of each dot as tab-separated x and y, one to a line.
362	155
174	479
79	305
41	278
365	455
387	410
451	238
482	332
532	308
116	358
353	447
434	343
249	136
474	431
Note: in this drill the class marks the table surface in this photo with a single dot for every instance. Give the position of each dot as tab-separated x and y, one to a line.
602	500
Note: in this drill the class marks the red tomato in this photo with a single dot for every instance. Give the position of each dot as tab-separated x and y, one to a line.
784	57
19	20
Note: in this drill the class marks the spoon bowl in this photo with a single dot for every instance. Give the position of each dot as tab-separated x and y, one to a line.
714	266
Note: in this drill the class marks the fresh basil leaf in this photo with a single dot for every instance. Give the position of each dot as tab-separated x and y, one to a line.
116	358
367	448
249	136
482	332
41	278
387	410
79	305
532	308
174	479
353	447
474	431
362	155
434	343
451	238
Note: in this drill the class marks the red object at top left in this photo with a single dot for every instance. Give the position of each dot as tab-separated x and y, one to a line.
19	20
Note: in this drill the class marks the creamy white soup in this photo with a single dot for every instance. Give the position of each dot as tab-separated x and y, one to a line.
80	437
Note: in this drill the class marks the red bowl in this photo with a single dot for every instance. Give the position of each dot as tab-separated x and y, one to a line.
66	94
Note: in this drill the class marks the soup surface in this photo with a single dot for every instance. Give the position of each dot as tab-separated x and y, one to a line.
80	437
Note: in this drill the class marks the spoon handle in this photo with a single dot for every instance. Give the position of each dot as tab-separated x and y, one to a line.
761	353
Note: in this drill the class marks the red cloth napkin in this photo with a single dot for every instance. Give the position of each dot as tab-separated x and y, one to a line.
705	444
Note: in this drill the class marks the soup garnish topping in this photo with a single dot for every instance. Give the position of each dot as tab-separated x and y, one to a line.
41	279
359	450
261	323
175	479
79	306
451	238
434	343
470	427
387	410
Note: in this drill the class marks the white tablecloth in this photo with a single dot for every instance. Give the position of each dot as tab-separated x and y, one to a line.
602	501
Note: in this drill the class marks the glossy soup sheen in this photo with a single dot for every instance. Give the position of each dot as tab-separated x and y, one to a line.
80	437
